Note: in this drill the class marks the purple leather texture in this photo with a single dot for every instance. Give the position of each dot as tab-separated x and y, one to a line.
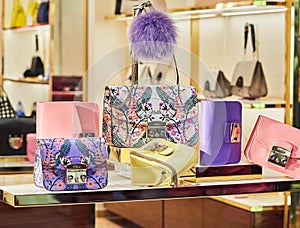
217	120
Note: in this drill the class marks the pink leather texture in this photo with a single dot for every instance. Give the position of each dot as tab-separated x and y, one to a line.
267	134
30	146
66	119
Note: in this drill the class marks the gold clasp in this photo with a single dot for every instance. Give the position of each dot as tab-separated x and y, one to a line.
279	156
76	174
156	129
235	132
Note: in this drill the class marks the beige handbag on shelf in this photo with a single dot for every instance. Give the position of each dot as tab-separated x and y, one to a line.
161	162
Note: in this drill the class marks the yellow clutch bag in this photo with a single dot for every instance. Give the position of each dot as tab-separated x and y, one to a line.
161	162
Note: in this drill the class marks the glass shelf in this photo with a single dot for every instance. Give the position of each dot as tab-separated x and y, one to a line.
34	80
120	189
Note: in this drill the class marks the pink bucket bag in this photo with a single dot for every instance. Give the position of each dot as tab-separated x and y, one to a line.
275	145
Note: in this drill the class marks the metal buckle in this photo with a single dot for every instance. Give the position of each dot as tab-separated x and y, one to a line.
86	134
279	156
15	142
160	149
235	132
76	174
156	129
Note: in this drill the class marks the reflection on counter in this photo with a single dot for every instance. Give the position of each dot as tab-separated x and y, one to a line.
16	179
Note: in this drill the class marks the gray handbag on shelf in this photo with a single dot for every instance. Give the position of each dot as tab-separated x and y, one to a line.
222	87
248	78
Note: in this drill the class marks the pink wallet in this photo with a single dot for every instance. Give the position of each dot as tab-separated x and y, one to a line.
67	119
275	145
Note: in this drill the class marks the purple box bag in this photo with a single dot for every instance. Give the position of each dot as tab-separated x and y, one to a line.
220	132
73	163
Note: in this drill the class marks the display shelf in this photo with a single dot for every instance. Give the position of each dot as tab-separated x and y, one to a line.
191	13
28	28
15	164
66	93
34	80
254	103
264	102
120	189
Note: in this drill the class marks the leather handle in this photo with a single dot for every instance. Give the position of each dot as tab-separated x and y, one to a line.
253	36
36	43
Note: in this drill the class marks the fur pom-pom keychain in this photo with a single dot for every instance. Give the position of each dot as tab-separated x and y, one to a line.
152	36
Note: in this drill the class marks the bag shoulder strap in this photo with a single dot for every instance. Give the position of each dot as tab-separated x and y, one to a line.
253	38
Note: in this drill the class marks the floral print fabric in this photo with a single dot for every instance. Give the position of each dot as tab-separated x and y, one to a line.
63	159
130	110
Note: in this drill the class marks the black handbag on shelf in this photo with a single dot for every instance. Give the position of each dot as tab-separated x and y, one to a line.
13	135
37	66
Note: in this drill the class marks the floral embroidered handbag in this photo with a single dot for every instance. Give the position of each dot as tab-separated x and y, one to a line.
73	163
133	114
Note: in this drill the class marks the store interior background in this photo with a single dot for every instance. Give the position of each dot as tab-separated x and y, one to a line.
87	40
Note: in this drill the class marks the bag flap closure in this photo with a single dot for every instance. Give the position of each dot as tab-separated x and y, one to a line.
232	132
278	137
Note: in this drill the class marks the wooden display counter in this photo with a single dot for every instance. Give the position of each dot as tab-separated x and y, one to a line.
79	216
258	210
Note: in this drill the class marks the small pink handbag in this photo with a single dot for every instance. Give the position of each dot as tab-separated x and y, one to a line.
275	145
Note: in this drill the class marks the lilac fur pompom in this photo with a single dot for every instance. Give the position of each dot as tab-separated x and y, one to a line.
152	36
